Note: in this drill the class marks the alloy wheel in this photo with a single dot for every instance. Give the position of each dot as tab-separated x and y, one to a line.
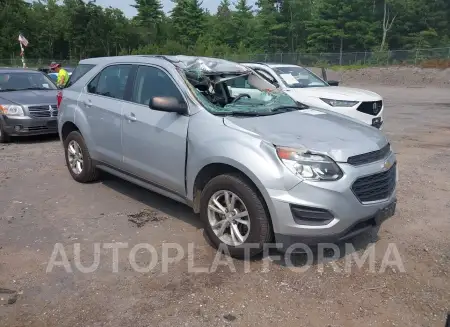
75	157
229	218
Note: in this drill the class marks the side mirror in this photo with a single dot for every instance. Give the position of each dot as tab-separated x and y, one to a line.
333	83
168	104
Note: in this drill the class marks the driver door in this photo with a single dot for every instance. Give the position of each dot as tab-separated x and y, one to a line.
154	142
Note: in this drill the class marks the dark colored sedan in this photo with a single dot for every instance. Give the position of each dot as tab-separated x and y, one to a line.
27	103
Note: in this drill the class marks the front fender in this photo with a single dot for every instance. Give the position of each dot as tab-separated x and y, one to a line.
245	152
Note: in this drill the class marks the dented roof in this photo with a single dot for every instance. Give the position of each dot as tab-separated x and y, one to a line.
207	65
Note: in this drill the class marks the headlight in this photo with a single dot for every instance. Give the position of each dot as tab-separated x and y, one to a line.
309	166
339	103
11	110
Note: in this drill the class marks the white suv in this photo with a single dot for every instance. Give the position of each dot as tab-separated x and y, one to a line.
304	86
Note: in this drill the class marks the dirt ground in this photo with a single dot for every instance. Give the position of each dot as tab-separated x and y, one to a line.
41	206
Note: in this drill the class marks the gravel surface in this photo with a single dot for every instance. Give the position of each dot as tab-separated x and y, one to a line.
395	76
41	206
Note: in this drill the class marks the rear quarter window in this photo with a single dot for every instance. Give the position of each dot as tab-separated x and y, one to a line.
79	72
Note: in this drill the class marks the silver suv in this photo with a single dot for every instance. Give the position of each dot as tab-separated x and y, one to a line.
256	168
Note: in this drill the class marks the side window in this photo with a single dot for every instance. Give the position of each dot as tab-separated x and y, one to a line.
79	72
240	83
111	81
92	86
153	82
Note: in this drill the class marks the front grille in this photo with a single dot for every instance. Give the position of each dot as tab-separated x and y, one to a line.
369	157
371	107
43	111
36	128
375	187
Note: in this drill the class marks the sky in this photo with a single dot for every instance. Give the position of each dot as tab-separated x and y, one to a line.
129	11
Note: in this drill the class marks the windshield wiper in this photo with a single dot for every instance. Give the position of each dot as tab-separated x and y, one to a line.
285	109
26	89
240	113
34	88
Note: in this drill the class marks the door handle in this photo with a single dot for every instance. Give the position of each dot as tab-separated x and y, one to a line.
130	117
87	103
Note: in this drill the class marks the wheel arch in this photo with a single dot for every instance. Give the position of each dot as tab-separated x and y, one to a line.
67	128
211	170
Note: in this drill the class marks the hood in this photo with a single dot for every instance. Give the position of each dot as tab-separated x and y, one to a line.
29	97
335	93
317	131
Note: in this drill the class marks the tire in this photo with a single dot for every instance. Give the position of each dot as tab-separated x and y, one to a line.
4	137
374	233
259	231
89	172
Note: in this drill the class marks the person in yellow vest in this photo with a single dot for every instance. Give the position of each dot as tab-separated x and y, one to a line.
63	75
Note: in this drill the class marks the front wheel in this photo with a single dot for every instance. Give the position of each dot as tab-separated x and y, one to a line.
78	160
4	137
235	216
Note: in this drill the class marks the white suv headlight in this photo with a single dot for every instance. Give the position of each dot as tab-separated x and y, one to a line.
11	110
339	103
309	166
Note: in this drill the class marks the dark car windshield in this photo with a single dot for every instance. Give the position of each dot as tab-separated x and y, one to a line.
17	81
298	77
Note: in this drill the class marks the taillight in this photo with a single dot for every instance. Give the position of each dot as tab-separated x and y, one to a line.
59	97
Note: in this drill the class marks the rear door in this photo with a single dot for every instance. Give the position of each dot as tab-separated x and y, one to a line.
103	101
154	142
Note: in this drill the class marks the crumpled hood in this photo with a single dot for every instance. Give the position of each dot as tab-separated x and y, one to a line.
317	131
29	97
335	93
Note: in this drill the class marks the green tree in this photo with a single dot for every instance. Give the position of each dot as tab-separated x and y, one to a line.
187	22
342	26
243	25
296	13
149	20
271	29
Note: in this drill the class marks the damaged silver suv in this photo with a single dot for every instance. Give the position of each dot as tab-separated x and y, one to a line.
257	167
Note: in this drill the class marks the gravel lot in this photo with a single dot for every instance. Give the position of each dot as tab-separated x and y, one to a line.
41	205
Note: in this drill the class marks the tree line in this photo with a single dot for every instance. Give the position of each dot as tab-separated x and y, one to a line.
77	29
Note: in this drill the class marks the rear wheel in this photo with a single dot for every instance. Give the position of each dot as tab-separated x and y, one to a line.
78	160
235	216
4	137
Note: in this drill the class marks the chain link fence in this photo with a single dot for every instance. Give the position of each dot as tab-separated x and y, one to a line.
416	57
34	63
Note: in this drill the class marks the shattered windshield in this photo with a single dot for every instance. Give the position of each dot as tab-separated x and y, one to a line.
224	87
298	77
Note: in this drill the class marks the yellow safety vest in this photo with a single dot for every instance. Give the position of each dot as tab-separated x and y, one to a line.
63	77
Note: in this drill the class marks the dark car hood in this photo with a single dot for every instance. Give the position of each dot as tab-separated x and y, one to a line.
334	135
30	97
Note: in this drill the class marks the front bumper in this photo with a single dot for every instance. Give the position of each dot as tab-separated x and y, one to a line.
372	120
347	216
22	126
